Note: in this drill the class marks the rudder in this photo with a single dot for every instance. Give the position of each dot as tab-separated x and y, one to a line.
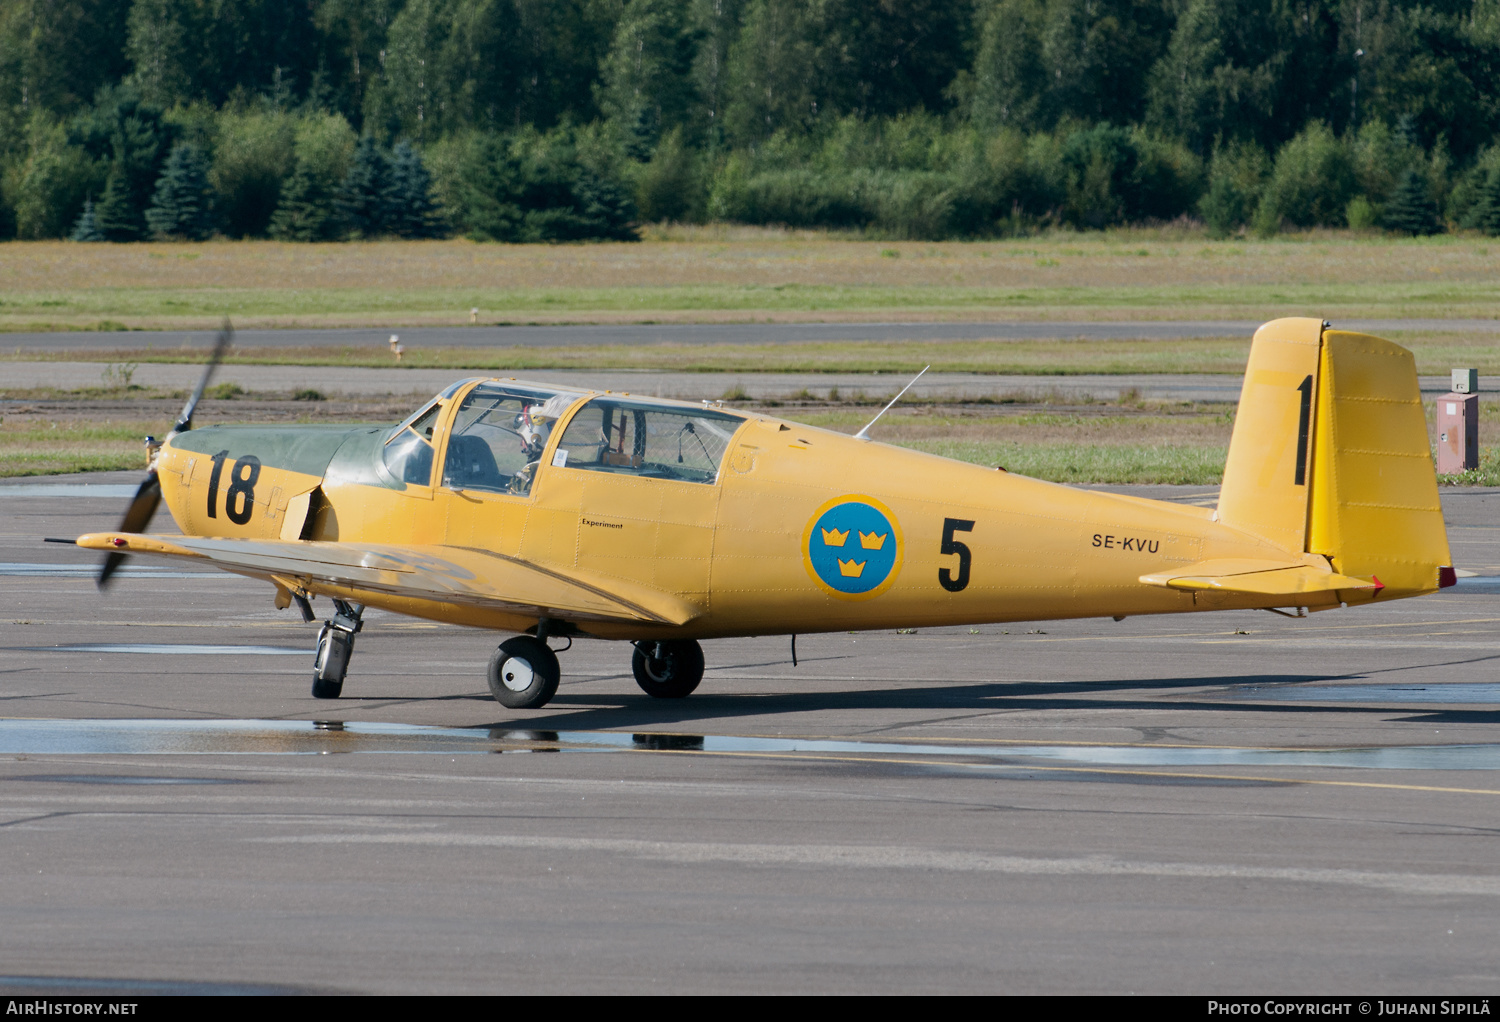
1375	508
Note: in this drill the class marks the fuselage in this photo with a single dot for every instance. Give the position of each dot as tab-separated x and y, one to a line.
799	529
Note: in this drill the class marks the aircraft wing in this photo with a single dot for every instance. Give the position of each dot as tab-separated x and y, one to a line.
450	574
1256	577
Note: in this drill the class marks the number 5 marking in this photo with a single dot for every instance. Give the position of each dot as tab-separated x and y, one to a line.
953	546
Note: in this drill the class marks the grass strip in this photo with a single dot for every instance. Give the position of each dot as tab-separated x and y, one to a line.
697	276
1094	463
1436	354
508	304
31	447
99	310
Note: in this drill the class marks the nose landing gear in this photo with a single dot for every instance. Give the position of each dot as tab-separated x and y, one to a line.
335	646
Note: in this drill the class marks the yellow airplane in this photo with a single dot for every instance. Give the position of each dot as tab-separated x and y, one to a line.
553	513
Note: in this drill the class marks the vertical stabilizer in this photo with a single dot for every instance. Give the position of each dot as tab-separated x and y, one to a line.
1267	479
1375	510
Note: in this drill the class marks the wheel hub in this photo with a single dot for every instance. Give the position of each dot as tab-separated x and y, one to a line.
516	674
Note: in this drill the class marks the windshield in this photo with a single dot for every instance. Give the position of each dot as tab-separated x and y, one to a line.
408	452
498	436
652	441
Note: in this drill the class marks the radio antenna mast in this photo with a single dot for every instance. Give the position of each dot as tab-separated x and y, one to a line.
863	434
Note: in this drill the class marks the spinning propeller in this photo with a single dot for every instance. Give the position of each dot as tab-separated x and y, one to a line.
148	497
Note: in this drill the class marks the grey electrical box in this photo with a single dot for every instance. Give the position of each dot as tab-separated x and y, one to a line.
1466	381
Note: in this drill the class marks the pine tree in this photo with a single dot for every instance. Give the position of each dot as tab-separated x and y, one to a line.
365	199
413	211
772	70
306	210
182	206
1486	215
605	209
119	218
87	227
647	84
134	138
1410	209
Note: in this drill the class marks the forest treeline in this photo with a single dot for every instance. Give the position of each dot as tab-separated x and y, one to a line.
535	120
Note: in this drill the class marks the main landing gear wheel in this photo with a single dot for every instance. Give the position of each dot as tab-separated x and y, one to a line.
668	670
524	673
335	646
332	662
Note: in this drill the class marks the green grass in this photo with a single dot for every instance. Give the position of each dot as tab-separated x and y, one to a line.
1447	298
896	357
1095	463
1436	354
36	447
700	278
1487	474
113	308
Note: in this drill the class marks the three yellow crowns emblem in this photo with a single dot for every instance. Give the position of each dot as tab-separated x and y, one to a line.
867	540
847	568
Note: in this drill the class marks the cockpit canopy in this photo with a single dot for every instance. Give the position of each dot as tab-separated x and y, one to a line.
494	443
642	438
500	432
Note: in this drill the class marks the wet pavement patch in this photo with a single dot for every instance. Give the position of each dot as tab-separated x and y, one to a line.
231	737
34	569
301	737
100	986
125	779
1461	692
107	491
171	649
1434	757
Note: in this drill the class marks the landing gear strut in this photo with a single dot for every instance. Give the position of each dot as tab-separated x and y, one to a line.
335	645
669	669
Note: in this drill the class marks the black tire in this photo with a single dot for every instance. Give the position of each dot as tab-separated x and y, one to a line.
524	673
331	662
668	670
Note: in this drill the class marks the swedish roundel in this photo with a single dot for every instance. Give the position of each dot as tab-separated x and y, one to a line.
852	547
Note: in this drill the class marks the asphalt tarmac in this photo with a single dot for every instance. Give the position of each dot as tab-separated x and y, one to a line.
1232	803
703	333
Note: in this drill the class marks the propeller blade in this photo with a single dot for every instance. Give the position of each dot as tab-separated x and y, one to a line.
137	517
148	497
221	345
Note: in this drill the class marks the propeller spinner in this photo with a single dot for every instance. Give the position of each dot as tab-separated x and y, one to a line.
148	497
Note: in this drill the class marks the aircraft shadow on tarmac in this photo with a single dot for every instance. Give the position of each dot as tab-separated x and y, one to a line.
641	710
633	709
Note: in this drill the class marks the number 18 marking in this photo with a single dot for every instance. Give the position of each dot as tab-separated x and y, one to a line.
241	487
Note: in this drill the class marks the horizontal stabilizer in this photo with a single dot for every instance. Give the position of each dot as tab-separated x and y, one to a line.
1256	577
